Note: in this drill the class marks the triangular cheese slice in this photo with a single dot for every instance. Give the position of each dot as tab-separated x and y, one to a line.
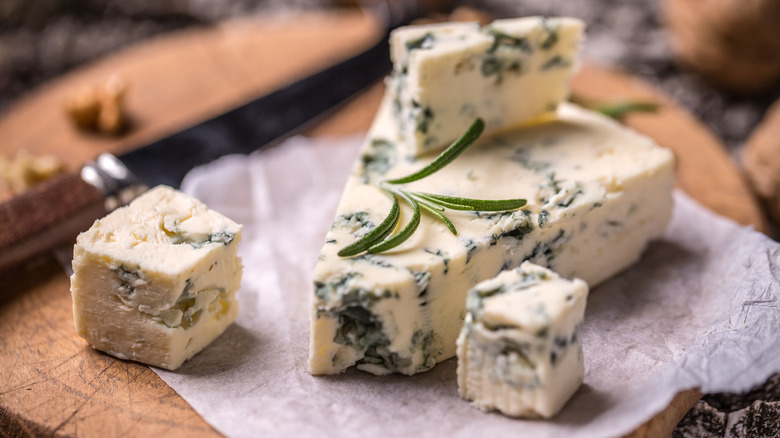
597	193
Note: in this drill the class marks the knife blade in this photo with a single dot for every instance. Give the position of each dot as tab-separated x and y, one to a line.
55	211
260	122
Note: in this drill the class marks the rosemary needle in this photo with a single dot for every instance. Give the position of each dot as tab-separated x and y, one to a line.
458	147
403	235
375	235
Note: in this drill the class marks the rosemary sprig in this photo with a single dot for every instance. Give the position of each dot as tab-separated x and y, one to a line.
617	109
381	239
620	109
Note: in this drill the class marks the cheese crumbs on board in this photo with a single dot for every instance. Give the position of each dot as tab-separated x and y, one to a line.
155	281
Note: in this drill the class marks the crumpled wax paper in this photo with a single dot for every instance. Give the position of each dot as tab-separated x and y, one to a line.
699	310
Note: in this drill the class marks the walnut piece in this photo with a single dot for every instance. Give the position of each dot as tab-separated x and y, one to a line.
735	44
99	108
26	170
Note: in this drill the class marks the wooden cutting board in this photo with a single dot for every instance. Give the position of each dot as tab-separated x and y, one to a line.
51	382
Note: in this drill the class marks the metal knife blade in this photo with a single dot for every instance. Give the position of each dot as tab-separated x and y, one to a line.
55	211
260	122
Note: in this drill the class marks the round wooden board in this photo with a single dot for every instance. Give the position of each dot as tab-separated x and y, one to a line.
53	383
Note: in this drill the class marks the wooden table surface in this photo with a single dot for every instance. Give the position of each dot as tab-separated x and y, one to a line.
51	382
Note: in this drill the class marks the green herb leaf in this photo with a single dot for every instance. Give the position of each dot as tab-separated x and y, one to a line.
436	211
429	202
375	235
477	204
441	217
618	110
446	157
402	235
443	203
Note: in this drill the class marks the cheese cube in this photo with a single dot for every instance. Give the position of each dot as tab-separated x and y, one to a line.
519	351
155	281
507	73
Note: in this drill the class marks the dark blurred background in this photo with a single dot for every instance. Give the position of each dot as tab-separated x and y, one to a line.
42	39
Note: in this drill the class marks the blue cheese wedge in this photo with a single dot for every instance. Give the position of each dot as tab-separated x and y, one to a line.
519	351
508	73
597	193
155	281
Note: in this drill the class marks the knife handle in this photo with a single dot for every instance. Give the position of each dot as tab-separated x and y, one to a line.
48	214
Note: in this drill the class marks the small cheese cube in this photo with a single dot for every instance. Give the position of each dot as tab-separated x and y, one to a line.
519	351
155	281
508	73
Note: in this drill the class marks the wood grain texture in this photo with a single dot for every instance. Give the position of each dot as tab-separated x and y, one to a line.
52	383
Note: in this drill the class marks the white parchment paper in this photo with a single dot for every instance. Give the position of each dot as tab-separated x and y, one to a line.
699	310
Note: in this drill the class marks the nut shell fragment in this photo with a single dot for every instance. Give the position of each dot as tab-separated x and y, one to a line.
733	43
99	108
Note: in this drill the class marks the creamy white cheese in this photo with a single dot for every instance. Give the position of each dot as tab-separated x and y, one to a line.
507	73
519	351
155	281
597	193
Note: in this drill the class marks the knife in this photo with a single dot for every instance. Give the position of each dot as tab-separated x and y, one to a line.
53	212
